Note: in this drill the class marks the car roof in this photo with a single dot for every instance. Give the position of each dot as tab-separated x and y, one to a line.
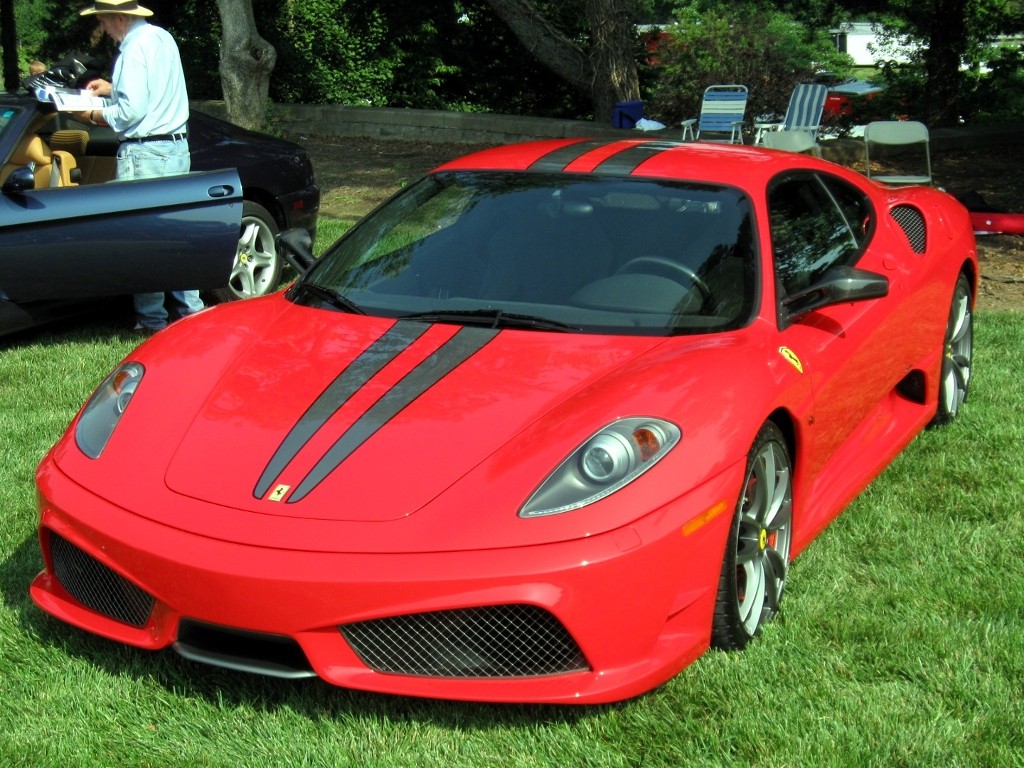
857	87
736	165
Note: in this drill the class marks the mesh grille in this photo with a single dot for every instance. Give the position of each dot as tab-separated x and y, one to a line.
97	587
912	223
912	387
493	641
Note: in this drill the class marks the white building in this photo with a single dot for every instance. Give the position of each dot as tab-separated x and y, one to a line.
865	42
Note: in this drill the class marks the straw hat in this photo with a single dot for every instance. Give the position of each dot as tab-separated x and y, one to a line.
127	7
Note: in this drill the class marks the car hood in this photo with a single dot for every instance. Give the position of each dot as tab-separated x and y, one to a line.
370	419
306	428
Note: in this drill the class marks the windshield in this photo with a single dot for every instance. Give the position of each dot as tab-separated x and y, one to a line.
6	115
554	252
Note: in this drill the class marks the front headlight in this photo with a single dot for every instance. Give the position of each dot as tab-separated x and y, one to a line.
609	460
103	411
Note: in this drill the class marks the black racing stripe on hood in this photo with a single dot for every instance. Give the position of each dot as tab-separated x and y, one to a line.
396	340
463	345
629	159
559	159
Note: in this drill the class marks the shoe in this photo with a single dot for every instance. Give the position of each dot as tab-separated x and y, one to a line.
143	330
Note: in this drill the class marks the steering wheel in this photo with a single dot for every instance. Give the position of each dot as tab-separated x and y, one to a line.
673	270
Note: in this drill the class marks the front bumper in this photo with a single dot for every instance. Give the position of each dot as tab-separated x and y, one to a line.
597	619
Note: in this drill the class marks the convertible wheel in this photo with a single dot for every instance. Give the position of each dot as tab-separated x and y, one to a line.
757	553
958	351
257	267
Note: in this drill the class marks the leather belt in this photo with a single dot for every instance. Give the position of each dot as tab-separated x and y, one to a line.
158	137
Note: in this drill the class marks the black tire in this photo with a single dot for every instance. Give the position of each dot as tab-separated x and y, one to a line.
757	551
257	267
957	355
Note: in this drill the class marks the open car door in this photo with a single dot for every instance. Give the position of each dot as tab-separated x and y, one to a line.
122	237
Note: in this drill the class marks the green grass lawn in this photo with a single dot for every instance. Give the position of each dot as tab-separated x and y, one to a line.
901	641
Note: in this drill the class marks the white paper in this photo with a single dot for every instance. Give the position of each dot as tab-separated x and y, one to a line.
79	101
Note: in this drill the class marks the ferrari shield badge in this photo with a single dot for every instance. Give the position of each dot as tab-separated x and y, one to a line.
790	357
278	493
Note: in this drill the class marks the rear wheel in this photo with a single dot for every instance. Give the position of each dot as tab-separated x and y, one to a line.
757	552
958	352
257	267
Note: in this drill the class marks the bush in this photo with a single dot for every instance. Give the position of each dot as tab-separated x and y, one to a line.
766	50
998	94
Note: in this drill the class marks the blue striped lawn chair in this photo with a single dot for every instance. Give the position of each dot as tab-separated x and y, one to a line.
806	104
721	115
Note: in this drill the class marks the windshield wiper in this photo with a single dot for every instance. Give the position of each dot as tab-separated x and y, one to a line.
331	296
490	318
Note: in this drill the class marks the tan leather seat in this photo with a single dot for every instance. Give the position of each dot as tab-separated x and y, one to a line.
33	150
95	169
70	140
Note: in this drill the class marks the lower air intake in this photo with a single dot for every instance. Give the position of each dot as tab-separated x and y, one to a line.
501	641
97	587
258	652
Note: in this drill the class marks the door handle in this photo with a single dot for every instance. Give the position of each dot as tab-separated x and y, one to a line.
222	190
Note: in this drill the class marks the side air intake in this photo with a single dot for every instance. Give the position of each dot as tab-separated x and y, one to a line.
912	223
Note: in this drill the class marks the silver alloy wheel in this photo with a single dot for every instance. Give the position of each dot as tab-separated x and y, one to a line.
257	267
958	352
757	555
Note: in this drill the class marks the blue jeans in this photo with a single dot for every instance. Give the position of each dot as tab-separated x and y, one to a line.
142	160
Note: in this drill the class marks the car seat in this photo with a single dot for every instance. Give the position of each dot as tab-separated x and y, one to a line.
33	150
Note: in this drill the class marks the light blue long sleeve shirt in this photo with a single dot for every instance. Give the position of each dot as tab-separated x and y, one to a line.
148	94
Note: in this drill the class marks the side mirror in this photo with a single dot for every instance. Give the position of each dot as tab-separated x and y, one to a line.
20	180
838	285
296	245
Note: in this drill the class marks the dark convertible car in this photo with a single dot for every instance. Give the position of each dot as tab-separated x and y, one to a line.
68	232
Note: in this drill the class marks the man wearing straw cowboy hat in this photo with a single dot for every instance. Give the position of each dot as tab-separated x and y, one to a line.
149	112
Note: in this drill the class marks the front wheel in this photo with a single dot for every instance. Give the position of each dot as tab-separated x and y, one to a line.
957	355
257	267
757	552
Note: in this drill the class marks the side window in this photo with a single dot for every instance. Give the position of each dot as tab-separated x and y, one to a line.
816	223
854	206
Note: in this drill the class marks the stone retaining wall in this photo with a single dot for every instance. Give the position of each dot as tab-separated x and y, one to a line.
486	128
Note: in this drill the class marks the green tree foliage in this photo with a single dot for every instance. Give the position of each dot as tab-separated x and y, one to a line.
30	32
946	79
63	31
998	94
426	54
457	54
328	51
765	49
498	73
29	21
196	27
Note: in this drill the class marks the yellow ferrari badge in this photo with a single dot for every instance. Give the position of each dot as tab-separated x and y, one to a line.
790	357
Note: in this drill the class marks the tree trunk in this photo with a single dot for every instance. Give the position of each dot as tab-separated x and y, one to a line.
613	42
947	44
9	40
607	73
246	61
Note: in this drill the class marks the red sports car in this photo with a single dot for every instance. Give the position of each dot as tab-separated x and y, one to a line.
541	428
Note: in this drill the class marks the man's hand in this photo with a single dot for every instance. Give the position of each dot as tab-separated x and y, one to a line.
99	87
